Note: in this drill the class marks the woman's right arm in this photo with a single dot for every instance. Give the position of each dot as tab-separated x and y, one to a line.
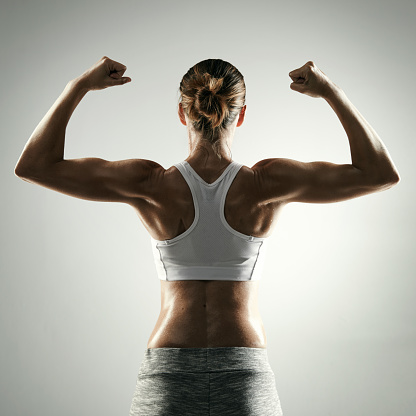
371	170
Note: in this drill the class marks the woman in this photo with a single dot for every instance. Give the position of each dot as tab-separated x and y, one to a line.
209	218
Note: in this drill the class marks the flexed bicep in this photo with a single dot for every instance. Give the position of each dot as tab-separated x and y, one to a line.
288	180
98	179
324	182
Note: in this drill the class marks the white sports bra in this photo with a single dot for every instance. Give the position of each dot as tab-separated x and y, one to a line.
209	249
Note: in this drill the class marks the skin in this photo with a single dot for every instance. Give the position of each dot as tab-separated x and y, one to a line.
207	313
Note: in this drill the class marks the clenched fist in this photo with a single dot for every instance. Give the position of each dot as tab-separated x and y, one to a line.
105	73
310	80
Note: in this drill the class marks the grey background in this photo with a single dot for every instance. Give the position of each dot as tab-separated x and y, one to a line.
79	294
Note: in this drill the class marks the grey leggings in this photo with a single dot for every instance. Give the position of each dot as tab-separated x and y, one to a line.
223	381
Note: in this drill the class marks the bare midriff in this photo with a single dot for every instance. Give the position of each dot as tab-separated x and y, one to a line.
211	313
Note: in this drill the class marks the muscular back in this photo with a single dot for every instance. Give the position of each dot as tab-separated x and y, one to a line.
170	211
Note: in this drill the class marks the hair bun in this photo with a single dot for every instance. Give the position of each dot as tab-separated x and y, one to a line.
208	102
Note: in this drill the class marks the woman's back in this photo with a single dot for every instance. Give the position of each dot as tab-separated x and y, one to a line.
207	313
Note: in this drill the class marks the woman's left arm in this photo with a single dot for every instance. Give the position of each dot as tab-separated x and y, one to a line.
42	160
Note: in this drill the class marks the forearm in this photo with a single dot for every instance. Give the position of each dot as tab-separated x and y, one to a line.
46	144
368	152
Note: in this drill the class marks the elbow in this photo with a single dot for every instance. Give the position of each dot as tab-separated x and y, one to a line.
20	171
379	180
387	181
395	178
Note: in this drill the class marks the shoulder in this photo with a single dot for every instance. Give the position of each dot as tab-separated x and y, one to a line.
147	170
277	165
277	178
281	170
166	184
142	175
144	167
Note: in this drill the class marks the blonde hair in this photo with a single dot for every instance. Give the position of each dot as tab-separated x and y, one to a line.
212	94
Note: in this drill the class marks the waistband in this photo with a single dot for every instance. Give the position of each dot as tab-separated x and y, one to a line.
195	360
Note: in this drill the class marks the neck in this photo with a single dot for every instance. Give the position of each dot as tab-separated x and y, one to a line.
204	152
201	151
